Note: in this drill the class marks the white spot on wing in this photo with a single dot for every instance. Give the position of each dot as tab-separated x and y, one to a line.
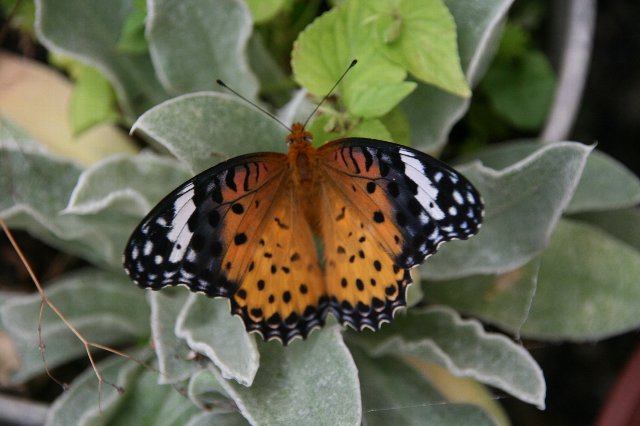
427	192
191	255
177	254
471	198
434	211
457	197
187	188
148	246
184	207
186	275
453	211
158	259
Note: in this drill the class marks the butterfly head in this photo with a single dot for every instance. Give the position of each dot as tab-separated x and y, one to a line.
299	135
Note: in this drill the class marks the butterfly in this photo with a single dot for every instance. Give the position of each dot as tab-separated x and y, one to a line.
289	238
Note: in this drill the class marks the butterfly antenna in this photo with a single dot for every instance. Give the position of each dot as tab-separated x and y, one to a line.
353	63
253	104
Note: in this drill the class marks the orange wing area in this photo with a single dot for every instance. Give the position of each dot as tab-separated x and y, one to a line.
281	292
235	231
361	242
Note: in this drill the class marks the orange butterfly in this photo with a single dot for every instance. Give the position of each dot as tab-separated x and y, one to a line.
246	229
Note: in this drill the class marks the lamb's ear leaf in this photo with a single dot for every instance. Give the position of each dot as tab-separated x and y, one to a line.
439	335
395	391
595	270
328	393
105	307
232	128
215	50
93	40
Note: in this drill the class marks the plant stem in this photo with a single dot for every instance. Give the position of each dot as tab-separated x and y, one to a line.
576	52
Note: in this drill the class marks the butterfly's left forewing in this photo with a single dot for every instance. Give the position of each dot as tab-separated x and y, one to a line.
386	208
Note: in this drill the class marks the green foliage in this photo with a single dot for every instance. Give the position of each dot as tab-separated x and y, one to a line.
92	101
186	125
209	38
132	38
388	383
90	32
262	11
390	40
520	83
557	257
433	335
21	12
584	285
517	91
431	111
316	381
228	346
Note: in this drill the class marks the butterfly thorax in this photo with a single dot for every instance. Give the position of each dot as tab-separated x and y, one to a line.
302	156
303	159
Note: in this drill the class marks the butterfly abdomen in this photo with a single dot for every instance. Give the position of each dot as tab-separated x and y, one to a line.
303	162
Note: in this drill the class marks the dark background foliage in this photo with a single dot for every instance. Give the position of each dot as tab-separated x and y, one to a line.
580	377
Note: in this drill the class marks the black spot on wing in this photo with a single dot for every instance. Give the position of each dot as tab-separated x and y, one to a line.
353	161
216	190
229	179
